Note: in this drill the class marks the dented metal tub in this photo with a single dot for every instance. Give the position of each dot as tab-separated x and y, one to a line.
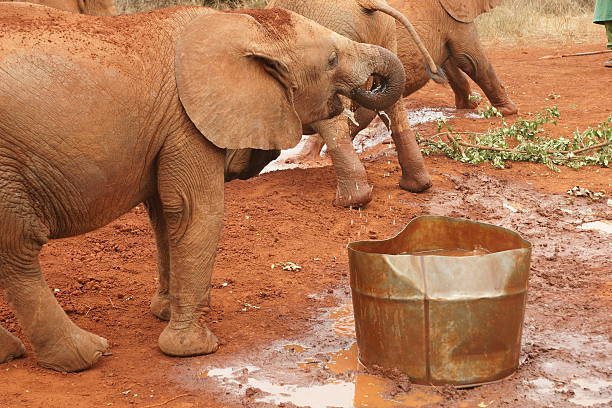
443	301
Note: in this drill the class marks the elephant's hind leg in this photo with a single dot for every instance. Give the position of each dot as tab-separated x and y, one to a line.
468	55
10	346
460	85
160	304
57	342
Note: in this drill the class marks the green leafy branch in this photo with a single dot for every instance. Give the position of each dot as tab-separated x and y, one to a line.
524	140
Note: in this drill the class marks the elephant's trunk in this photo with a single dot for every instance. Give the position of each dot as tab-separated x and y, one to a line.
390	79
435	72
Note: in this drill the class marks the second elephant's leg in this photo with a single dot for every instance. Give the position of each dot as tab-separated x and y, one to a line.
190	185
353	189
415	177
460	85
467	52
10	346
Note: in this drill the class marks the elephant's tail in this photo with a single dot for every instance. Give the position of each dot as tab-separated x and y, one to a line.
435	72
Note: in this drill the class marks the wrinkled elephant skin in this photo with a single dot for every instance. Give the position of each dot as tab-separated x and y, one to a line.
93	123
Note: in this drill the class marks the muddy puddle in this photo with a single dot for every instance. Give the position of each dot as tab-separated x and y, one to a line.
318	375
566	355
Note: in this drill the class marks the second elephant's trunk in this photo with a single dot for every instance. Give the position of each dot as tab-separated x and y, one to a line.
390	75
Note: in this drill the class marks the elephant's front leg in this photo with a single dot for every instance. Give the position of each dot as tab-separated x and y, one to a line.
190	185
353	189
460	86
415	177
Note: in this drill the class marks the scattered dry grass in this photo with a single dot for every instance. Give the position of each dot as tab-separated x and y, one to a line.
135	6
555	20
515	21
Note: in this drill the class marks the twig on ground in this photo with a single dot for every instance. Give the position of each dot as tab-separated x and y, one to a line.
578	54
502	149
454	141
597	146
170	400
452	133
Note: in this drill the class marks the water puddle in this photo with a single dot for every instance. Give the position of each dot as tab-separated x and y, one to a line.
310	377
324	371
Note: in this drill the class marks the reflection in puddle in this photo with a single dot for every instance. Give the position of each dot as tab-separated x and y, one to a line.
343	320
341	383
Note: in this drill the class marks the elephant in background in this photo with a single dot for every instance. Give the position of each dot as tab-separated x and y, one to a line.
93	123
448	33
91	7
373	22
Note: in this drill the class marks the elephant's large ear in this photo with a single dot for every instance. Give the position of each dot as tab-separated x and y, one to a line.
235	91
466	11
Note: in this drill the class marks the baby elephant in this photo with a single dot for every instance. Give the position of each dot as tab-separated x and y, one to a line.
98	114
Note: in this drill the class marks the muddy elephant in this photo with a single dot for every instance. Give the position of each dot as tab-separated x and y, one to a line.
93	123
373	22
448	33
91	7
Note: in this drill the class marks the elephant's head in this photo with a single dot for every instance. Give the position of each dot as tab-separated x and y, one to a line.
251	79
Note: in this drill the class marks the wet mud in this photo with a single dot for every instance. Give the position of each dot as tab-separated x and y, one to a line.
560	367
289	328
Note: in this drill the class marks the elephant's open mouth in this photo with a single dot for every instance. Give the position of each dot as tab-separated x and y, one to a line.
379	85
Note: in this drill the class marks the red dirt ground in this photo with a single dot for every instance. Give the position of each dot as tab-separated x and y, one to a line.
106	278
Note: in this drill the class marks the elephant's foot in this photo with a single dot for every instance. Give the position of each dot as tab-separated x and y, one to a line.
416	184
353	194
74	350
160	306
188	341
10	347
468	103
311	150
507	109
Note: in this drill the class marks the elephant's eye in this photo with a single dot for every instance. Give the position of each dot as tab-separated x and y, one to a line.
332	62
